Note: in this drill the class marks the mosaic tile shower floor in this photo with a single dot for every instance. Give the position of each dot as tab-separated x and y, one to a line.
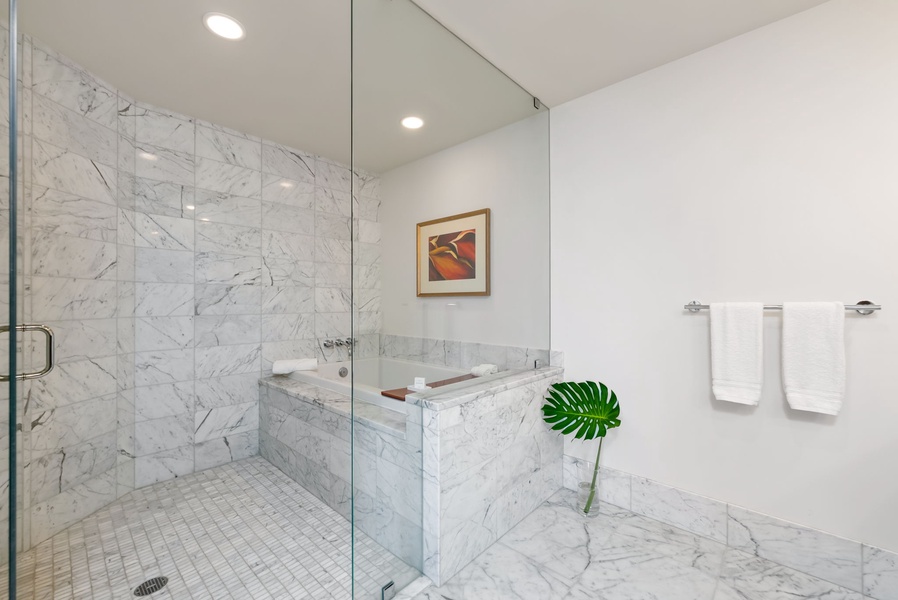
240	531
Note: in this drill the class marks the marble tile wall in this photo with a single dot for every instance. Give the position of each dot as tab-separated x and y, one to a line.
306	434
850	564
464	355
488	463
175	259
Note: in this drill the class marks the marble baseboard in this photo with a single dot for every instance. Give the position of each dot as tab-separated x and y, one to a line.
846	563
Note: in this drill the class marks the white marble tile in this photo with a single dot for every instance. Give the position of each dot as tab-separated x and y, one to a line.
226	449
66	171
157	231
477	354
524	358
218	207
62	298
164	266
333	201
332	275
333	325
72	382
227	299
333	251
164	129
366	254
164	299
163	466
229	146
226	421
368	277
61	511
333	176
163	333
272	351
688	511
228	360
56	472
292	246
284	217
77	340
68	129
369	231
163	366
164	164
747	576
500	573
73	424
221	330
332	226
216	268
286	162
164	433
284	300
807	550
163	400
55	212
164	198
299	194
880	573
369	208
614	486
227	391
63	256
66	83
284	272
405	348
228	239
226	178
287	327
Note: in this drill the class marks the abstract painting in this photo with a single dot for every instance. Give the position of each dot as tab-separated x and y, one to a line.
453	255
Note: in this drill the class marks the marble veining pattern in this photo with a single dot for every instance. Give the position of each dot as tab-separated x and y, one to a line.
618	555
240	531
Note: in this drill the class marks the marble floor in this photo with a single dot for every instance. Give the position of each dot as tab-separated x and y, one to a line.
242	531
555	554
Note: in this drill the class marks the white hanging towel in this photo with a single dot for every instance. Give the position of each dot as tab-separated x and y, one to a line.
283	367
814	355
737	340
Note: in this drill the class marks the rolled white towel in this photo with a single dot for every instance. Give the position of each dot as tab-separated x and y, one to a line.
283	367
484	369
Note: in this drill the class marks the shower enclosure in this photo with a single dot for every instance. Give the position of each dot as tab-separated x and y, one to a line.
161	253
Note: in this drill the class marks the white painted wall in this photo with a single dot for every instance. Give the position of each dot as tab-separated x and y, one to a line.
766	169
506	171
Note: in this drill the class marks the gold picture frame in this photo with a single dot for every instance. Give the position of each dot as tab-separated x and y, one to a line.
454	255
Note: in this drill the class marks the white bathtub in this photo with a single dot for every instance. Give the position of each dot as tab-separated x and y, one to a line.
372	375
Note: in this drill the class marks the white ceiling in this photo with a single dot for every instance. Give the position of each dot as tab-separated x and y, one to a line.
289	80
562	49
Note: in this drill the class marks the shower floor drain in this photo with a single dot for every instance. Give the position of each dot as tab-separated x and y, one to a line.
150	586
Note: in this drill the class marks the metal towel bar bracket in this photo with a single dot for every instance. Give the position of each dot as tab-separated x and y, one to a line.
50	354
864	307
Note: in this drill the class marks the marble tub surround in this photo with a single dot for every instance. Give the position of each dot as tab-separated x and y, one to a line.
306	431
176	259
464	355
618	555
815	554
489	461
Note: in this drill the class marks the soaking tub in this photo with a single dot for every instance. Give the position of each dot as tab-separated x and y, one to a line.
372	376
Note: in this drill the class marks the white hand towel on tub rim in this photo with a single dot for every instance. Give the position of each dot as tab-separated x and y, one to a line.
814	355
285	367
737	340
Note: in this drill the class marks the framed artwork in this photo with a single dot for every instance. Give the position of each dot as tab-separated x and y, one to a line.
454	255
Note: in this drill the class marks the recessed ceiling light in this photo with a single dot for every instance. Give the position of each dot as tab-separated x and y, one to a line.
412	122
148	156
287	184
190	207
224	26
204	219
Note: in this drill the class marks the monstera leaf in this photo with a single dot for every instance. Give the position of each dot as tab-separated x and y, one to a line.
587	409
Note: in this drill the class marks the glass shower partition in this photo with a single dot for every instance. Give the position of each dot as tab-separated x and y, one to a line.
423	305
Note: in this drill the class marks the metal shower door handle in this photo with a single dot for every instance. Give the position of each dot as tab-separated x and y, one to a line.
50	354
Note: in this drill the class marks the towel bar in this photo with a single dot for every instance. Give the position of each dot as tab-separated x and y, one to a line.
864	307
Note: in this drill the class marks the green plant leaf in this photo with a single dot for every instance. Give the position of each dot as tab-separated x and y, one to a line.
586	409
